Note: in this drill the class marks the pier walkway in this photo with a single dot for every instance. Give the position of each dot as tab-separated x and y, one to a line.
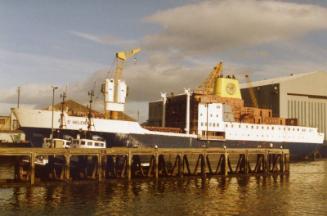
36	164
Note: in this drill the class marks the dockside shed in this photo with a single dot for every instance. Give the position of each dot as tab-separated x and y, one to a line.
300	96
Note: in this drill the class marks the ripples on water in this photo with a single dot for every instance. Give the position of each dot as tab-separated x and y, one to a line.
304	192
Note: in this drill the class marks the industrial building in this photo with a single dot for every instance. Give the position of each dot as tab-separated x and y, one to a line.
300	96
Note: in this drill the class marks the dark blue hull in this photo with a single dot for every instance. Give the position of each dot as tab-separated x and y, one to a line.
298	151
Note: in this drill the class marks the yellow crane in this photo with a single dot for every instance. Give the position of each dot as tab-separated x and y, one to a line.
207	87
121	58
251	91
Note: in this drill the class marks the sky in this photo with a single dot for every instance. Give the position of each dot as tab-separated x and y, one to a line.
72	44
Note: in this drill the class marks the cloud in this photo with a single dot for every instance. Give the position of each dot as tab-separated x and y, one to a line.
35	74
145	80
182	54
107	40
21	67
213	26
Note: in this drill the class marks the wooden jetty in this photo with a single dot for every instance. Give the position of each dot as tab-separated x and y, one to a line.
129	163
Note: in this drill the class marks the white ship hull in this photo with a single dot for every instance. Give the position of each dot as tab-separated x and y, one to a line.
37	125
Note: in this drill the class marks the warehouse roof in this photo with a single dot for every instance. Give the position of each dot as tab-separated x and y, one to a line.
277	80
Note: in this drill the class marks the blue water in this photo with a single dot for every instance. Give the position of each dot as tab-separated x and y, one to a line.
304	192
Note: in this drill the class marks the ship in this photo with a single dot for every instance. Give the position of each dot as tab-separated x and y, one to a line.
212	115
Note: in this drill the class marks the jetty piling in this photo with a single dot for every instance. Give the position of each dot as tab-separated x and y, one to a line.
129	163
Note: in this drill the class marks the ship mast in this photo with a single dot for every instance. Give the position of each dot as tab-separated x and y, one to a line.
89	115
62	124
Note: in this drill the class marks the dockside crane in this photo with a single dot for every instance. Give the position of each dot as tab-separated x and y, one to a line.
121	57
115	89
207	87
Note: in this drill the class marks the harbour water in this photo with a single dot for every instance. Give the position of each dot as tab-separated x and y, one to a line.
303	192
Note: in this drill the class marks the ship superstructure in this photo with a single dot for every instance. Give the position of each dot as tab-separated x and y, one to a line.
217	112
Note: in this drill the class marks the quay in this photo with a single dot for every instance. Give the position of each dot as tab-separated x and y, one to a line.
129	163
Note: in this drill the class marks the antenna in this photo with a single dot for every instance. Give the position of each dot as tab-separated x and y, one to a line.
18	96
138	115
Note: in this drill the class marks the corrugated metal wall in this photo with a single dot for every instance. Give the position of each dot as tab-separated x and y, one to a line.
310	112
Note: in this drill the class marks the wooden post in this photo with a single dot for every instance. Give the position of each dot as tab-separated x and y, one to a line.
226	163
32	168
203	166
179	165
129	165
282	163
287	163
246	162
156	169
99	167
265	162
17	168
67	167
94	166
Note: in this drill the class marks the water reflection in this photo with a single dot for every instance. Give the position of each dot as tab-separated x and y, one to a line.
301	193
